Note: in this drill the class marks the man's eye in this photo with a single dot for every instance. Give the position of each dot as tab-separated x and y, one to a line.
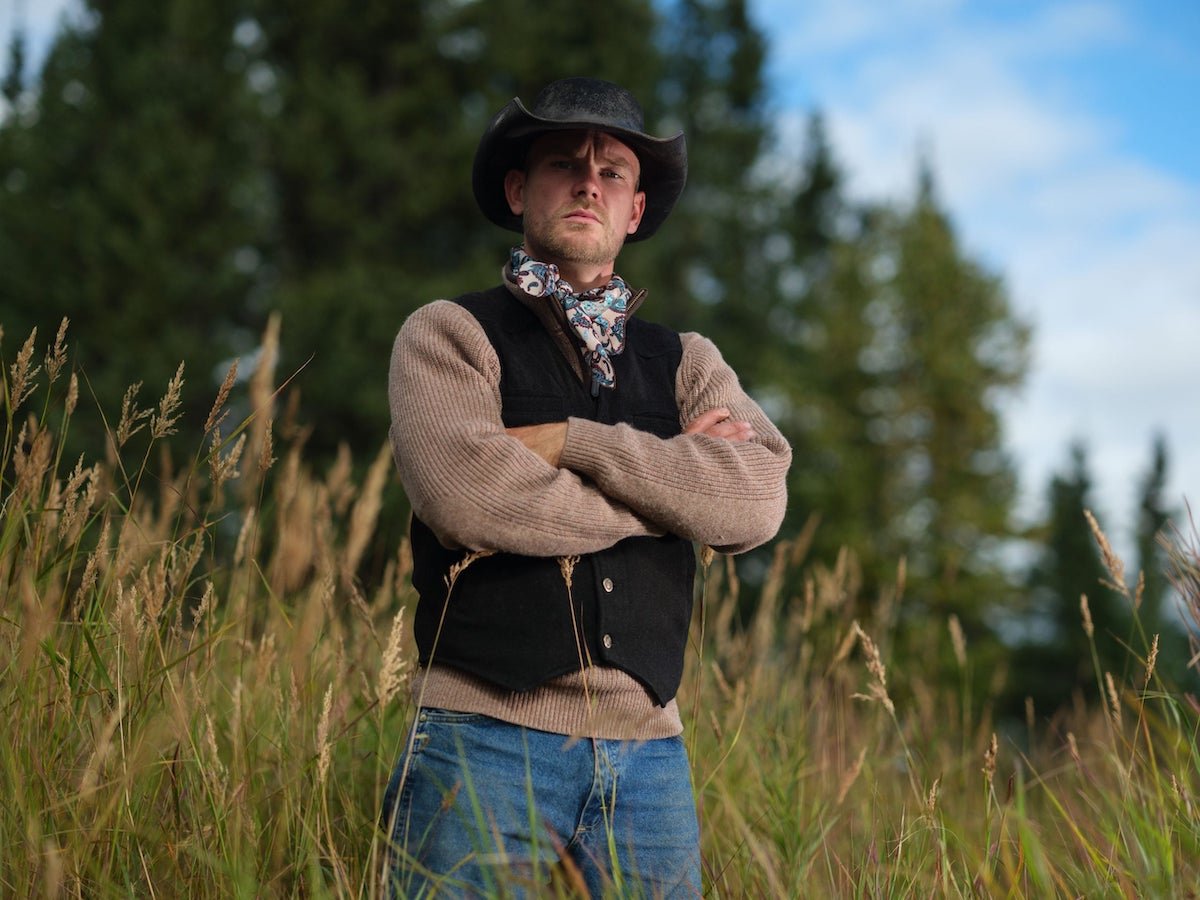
611	174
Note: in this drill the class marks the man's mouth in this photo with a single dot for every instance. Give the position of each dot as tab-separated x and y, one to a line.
582	215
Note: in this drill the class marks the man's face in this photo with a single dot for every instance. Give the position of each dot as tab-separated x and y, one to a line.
579	197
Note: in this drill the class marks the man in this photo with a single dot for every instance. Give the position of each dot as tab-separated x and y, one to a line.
562	458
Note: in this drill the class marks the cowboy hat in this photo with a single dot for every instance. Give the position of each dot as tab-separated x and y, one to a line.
578	103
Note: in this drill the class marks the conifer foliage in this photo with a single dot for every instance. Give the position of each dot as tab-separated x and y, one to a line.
131	196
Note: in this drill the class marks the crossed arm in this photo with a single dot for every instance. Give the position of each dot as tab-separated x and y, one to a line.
575	486
547	440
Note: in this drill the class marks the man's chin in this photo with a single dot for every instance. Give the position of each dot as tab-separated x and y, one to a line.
582	249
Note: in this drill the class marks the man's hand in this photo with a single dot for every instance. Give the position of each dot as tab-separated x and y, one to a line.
716	423
545	440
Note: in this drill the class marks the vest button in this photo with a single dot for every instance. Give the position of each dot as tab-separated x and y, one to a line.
608	585
607	642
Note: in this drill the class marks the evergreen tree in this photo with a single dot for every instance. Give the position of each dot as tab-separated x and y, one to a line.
706	268
1055	660
130	202
1155	614
949	343
851	464
906	345
13	84
1153	519
833	394
819	211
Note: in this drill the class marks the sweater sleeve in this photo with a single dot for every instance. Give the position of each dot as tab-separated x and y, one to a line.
471	483
729	495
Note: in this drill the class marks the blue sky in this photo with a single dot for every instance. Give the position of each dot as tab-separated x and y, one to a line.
1065	140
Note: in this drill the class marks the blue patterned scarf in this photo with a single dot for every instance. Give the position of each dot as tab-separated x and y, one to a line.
597	316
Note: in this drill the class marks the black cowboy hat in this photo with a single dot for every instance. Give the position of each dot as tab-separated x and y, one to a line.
578	103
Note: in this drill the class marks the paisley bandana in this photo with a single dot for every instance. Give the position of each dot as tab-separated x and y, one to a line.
597	316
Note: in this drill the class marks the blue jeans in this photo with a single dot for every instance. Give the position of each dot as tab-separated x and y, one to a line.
480	807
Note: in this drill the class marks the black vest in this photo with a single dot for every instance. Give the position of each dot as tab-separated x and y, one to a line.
509	620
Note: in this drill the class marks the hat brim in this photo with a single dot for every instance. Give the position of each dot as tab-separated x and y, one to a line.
507	139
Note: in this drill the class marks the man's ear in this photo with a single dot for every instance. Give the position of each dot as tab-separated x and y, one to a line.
639	209
514	191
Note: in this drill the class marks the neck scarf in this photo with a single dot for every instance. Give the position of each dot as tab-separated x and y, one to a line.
597	316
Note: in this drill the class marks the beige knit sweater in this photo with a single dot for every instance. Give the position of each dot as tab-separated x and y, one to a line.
478	488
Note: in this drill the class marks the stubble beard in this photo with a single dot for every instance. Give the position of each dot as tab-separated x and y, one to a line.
571	243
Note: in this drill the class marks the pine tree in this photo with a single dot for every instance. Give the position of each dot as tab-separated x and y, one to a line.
1155	613
1055	660
131	204
13	84
821	335
1153	519
706	268
906	345
950	344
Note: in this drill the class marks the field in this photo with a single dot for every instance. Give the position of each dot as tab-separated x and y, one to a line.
201	700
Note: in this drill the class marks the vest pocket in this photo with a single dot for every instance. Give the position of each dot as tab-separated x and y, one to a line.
658	419
533	409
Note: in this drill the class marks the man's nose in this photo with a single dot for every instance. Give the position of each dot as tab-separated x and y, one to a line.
589	181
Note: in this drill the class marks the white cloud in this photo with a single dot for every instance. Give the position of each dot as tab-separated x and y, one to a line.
1097	247
830	26
982	132
1111	193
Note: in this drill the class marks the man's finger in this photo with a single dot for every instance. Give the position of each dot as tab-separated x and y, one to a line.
706	420
716	423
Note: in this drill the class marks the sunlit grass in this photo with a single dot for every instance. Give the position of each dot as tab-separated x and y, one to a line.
201	699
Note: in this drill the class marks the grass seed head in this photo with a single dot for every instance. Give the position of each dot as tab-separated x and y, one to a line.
325	749
566	567
1114	699
56	356
217	414
72	397
1151	660
266	453
133	418
21	375
163	422
463	564
239	552
851	776
932	798
1112	562
989	758
391	669
958	640
878	689
1073	749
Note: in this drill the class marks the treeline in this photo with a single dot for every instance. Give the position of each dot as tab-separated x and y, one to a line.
179	170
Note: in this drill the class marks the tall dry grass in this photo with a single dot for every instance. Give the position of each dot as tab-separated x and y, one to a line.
202	701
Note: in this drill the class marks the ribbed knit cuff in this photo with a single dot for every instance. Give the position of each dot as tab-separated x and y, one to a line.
582	436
